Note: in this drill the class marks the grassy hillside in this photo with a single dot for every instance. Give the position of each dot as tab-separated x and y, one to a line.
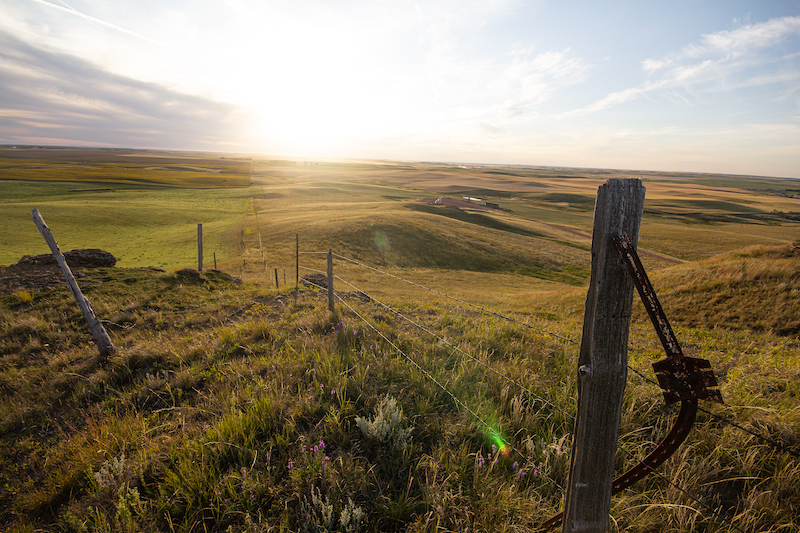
141	226
230	408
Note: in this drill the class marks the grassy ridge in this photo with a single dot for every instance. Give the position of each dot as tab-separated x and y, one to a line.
208	416
186	176
229	408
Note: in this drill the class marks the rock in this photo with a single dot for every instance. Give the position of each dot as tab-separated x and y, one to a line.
315	280
188	273
86	258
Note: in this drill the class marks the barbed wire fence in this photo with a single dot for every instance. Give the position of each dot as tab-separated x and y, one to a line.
717	513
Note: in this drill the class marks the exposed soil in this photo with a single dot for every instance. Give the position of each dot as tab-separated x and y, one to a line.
18	277
451	202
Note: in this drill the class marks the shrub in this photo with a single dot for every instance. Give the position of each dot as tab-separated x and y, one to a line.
386	425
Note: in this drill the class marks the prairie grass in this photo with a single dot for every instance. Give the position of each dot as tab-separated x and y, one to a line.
141	226
228	407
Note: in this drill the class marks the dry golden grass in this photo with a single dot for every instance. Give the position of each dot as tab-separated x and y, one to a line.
218	388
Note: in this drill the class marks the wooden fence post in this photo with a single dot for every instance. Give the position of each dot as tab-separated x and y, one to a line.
330	281
101	338
296	266
603	360
199	247
276	279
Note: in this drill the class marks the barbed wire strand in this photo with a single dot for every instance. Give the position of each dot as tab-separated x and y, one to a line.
459	350
434	380
504	317
774	444
771	442
766	440
544	400
699	502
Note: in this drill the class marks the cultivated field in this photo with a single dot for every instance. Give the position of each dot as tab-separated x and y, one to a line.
229	407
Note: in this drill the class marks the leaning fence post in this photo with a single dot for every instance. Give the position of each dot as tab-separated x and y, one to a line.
330	281
603	360
101	338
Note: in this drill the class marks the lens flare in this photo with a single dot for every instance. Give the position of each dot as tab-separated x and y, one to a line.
495	437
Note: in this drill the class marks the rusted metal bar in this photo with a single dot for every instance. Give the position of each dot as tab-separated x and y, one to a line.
683	379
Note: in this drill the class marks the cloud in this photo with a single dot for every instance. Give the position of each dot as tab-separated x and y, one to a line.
530	80
45	94
99	22
722	61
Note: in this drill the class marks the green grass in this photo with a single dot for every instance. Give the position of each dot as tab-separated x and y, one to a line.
217	388
141	226
207	416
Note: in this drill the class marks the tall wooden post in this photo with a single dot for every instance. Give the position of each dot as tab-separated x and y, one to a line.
296	266
330	281
199	247
276	279
101	338
603	360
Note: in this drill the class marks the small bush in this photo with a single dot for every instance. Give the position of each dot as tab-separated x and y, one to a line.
386	425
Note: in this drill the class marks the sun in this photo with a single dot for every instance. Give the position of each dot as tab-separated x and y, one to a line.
317	95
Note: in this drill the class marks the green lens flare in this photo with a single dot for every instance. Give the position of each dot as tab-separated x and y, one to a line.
495	437
381	241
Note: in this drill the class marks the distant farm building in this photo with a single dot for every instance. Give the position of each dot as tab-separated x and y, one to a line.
492	205
471	199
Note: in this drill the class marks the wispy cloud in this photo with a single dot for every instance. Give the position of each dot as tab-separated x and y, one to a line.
531	79
743	53
66	8
55	95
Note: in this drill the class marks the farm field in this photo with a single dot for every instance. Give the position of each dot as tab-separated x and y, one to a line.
231	406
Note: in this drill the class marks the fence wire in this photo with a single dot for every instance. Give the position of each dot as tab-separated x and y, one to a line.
428	375
485	310
462	352
720	418
770	442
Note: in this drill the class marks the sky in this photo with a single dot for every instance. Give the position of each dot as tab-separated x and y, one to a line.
678	85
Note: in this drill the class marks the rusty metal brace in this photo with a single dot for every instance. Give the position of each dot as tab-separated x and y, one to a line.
683	379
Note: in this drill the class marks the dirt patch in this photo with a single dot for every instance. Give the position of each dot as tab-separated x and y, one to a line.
39	272
452	202
18	277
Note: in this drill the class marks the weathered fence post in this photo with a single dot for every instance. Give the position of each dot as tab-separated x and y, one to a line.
296	266
101	338
199	247
276	279
603	360
330	281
